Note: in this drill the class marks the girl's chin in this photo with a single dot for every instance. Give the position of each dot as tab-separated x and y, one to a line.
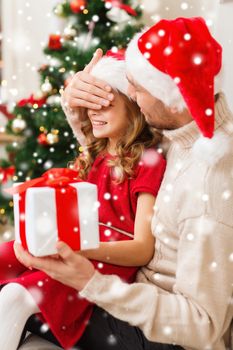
99	135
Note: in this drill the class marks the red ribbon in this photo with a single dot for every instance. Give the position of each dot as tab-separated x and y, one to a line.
66	204
31	101
4	110
6	173
119	55
127	8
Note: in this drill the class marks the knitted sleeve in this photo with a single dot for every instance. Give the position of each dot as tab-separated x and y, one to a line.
195	314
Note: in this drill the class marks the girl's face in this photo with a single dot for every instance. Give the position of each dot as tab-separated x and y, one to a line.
110	122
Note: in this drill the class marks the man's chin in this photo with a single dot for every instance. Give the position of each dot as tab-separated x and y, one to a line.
155	126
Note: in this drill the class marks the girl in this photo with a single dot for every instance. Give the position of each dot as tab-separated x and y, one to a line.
115	158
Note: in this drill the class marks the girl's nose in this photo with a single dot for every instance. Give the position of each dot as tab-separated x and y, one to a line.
92	112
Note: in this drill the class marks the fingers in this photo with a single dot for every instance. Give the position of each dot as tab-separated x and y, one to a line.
96	57
89	86
47	265
17	248
44	264
86	91
79	103
66	253
90	80
22	255
85	96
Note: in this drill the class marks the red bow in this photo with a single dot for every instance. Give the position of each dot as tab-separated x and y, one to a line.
31	100
6	173
66	203
119	4
57	177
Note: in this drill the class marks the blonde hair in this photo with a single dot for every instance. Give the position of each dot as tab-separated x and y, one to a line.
129	149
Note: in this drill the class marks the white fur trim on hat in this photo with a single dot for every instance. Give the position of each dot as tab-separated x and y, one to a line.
159	84
113	72
210	151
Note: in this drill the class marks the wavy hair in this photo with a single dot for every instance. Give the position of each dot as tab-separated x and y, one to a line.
129	149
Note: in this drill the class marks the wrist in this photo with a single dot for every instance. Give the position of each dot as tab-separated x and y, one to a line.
86	280
87	270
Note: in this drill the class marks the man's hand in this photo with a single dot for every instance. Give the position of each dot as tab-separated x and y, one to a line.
69	268
87	91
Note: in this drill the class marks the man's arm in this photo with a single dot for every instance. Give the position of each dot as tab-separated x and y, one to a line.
66	266
74	119
195	314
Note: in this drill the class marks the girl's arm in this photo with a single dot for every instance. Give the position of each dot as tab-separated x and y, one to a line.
136	252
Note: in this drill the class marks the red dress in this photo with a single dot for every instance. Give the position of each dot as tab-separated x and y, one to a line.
61	307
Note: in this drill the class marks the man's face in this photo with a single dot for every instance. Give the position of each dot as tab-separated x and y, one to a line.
155	112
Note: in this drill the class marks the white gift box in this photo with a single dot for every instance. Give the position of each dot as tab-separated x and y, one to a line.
41	228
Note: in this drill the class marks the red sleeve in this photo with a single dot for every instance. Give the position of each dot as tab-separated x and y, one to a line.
149	173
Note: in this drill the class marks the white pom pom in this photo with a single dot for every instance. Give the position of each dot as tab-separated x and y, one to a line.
212	150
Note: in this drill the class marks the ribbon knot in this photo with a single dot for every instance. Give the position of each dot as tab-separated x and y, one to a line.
58	182
57	177
66	203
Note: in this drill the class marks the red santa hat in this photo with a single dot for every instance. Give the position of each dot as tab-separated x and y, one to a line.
177	61
112	69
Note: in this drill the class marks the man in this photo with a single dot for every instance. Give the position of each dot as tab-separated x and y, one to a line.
183	298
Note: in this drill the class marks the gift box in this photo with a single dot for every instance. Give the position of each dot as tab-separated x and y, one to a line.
56	207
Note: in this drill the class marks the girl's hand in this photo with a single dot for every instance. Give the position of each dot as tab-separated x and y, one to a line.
70	268
87	91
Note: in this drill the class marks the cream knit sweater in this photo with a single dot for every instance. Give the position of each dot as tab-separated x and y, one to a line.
184	295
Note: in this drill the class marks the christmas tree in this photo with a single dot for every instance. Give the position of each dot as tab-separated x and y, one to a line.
45	138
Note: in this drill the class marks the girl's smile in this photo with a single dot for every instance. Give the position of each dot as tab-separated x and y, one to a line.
97	123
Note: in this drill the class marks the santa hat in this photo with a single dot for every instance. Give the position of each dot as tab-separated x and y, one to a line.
112	69
177	61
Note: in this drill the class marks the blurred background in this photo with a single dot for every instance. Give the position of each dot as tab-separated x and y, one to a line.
25	26
42	44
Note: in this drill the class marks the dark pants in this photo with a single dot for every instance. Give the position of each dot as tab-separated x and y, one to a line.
104	332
